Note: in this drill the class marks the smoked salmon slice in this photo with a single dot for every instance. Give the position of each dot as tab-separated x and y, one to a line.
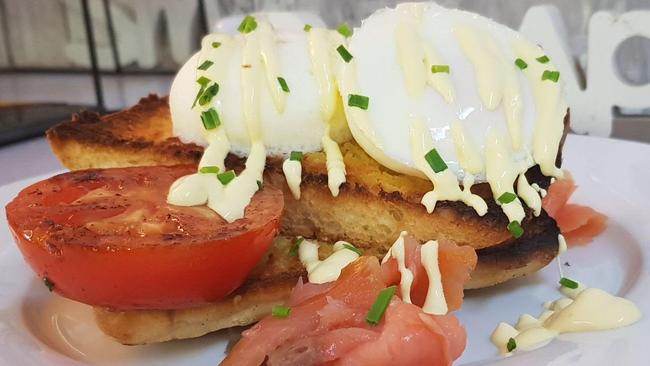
578	224
327	323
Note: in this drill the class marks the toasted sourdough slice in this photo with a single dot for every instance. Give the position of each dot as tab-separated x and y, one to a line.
374	206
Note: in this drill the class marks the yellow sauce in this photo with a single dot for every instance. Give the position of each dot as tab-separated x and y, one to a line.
335	164
501	171
550	108
327	270
293	173
398	251
445	183
435	302
477	47
584	309
410	53
497	81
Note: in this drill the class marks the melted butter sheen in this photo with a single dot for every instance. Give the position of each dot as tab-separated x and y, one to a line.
585	309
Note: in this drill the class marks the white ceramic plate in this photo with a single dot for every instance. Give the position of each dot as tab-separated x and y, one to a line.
37	328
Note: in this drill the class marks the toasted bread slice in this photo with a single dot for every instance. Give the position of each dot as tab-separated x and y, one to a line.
374	206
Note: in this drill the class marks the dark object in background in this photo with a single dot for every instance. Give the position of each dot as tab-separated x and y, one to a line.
21	121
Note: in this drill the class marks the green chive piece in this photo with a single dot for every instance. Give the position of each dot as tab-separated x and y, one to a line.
307	27
379	307
353	248
435	161
344	30
521	64
283	84
260	185
248	24
208	94
568	283
226	177
203	81
293	251
295	156
216	44
345	54
281	311
554	76
359	101
198	95
439	68
507	197
511	345
210	119
206	65
515	229
209	169
543	59
48	283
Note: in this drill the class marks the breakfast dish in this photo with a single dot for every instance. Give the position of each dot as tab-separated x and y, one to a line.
342	190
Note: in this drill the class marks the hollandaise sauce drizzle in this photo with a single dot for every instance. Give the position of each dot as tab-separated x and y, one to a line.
503	162
292	169
582	310
398	251
329	269
322	43
445	183
550	108
435	302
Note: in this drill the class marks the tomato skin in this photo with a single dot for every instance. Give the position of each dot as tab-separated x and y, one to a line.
122	272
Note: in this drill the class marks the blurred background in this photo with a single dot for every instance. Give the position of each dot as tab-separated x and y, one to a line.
58	56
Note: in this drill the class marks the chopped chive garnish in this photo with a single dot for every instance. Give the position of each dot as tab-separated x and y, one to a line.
208	94
203	81
216	44
210	119
226	177
507	197
247	25
515	229
521	64
511	345
554	76
295	156
260	185
435	161
283	84
543	59
345	55
344	30
307	27
209	170
440	68
359	101
48	283
568	283
198	95
293	251
206	65
381	303
281	311
353	248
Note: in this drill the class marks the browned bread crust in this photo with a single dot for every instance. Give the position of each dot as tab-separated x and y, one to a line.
374	206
